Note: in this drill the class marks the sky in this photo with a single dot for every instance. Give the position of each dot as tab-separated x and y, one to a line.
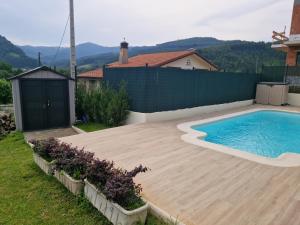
142	22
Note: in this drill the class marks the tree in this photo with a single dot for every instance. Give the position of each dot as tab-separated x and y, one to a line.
6	70
5	92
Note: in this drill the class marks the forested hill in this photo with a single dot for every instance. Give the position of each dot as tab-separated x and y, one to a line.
235	55
244	56
14	56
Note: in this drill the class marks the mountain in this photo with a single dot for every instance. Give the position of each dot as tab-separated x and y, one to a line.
195	42
92	61
90	49
13	55
234	55
82	50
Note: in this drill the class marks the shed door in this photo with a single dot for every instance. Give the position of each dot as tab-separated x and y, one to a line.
44	104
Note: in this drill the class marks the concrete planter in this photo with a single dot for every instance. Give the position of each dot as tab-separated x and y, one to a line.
75	186
113	212
47	167
294	99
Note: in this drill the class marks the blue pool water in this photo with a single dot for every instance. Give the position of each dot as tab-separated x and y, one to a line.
264	133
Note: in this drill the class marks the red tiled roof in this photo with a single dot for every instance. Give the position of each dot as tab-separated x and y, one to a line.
153	59
97	74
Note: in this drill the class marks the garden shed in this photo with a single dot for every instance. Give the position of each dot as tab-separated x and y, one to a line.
43	99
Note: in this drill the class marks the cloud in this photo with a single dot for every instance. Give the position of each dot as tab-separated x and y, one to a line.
236	11
145	22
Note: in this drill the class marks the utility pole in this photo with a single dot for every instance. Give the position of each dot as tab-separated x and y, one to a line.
72	42
72	65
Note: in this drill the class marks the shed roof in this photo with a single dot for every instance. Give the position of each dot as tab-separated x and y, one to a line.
41	68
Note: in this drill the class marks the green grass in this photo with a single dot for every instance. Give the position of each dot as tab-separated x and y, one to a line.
90	127
28	196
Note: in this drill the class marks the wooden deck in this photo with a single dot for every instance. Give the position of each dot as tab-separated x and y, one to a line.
197	185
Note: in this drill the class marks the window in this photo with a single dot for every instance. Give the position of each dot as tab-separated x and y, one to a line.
188	62
298	59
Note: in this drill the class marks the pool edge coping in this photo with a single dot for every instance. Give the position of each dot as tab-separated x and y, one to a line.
192	136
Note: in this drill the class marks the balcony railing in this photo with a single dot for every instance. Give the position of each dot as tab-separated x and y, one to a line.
279	73
290	74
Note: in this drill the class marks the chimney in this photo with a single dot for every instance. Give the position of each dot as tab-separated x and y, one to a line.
123	58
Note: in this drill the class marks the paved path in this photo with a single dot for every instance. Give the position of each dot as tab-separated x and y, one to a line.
199	186
44	134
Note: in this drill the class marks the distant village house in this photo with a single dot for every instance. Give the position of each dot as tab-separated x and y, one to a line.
187	60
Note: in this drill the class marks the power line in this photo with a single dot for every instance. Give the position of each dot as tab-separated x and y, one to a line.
61	40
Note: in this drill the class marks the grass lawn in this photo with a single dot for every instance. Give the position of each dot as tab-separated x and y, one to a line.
90	126
28	196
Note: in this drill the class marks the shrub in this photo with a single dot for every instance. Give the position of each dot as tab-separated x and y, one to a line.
44	148
99	172
103	104
117	109
120	188
105	98
79	164
62	156
73	161
5	92
116	184
91	104
80	98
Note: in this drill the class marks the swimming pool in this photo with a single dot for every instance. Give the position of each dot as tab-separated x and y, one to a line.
266	133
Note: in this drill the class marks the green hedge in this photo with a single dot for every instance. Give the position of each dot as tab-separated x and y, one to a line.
103	104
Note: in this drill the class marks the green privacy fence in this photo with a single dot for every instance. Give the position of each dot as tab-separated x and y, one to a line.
273	73
279	73
163	89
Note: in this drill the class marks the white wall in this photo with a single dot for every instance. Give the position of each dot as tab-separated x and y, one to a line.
89	83
136	117
195	62
294	99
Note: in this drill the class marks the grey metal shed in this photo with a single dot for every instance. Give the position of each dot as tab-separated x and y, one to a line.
43	99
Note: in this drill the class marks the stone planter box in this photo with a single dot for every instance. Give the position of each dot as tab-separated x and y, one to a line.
75	186
47	167
113	212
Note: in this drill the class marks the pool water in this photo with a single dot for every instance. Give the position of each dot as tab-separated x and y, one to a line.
264	133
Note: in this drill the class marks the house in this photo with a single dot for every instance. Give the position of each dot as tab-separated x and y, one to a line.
188	60
91	79
291	44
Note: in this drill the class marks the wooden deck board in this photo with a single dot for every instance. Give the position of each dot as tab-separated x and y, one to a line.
198	185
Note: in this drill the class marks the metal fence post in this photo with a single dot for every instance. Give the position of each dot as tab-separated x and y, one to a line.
285	74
